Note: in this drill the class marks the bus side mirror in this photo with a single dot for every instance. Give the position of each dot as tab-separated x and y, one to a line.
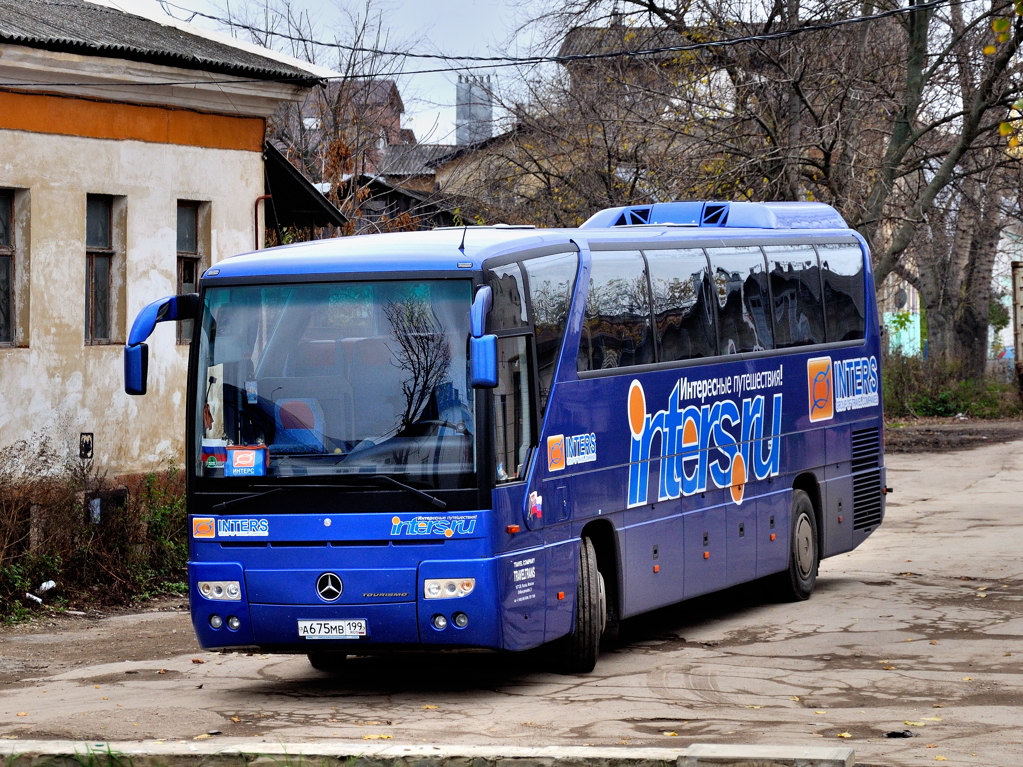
136	368
483	362
136	353
481	306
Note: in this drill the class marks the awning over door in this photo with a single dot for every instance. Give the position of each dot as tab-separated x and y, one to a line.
294	200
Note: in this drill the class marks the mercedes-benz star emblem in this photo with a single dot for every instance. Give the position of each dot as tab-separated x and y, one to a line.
328	586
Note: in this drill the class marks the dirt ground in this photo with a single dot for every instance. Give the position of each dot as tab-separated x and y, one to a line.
941	435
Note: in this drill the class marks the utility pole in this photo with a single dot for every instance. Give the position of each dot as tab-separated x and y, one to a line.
1017	322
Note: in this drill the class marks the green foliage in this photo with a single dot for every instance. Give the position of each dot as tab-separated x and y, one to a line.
915	387
102	541
900	321
998	314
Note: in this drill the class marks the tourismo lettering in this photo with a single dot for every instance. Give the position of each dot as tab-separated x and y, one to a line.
723	443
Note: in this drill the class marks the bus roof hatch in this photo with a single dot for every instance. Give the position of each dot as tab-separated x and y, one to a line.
734	215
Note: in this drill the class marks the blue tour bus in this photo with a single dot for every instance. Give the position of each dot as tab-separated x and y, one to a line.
503	437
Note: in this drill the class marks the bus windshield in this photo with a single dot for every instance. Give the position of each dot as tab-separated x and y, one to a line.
334	379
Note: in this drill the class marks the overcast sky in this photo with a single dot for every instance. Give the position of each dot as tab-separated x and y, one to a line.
450	27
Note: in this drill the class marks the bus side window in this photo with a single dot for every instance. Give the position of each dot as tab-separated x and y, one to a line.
844	290
740	281
513	431
796	293
616	332
550	292
683	303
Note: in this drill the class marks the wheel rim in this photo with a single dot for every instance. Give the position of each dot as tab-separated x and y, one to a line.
804	546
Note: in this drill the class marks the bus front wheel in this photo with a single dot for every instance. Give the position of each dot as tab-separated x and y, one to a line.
796	583
577	652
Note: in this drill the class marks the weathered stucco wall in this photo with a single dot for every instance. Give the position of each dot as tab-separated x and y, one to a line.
58	385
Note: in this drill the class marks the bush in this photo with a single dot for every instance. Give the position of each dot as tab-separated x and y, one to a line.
916	387
103	542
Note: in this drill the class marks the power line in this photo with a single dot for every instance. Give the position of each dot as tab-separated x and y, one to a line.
512	60
487	62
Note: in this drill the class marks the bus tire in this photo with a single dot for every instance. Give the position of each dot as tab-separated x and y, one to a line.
579	650
329	662
796	583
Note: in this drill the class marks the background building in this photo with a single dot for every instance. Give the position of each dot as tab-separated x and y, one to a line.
131	158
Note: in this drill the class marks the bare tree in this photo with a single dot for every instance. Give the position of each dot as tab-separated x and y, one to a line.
893	120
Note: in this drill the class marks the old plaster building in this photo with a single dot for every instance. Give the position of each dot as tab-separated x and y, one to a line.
131	158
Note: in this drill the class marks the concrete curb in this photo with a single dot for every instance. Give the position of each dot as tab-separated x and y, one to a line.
248	753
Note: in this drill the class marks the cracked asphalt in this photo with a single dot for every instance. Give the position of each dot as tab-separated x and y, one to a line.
917	632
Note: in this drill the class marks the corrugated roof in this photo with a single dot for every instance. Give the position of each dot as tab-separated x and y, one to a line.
412	159
77	26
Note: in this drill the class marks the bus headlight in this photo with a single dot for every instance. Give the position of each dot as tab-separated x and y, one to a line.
222	591
448	588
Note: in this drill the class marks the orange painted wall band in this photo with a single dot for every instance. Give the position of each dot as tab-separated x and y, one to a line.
87	118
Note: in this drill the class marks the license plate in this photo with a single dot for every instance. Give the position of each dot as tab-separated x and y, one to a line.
346	629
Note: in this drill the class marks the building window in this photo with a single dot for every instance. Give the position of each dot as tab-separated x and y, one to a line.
193	245
7	312
99	258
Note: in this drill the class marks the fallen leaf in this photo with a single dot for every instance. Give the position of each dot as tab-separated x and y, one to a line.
198	660
932	745
933	641
429	708
204	736
820	712
795	698
670	734
22	713
377	737
941	758
967	678
931	718
843	735
754	706
915	724
235	719
888	668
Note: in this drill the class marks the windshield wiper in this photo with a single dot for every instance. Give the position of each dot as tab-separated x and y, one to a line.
240	499
364	479
389	480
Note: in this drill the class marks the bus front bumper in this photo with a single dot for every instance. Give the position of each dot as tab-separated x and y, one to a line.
290	610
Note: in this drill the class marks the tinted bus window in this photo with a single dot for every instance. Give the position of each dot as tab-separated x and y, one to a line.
550	293
740	282
509	310
796	290
616	332
844	288
683	307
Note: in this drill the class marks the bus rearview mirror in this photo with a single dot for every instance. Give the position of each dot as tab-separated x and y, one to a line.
483	362
136	368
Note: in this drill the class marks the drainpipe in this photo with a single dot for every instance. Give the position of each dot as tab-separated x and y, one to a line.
259	199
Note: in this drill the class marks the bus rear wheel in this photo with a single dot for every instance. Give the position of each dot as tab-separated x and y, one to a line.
329	662
577	653
796	583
